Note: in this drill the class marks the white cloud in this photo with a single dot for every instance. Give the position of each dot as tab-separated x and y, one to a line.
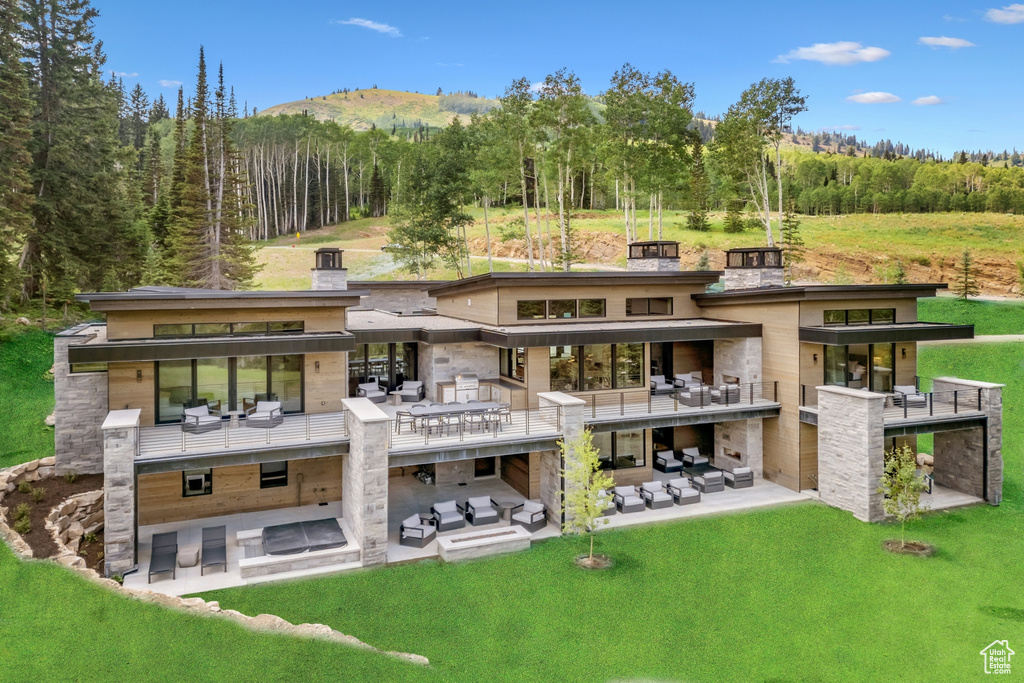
943	41
169	84
873	98
122	74
372	25
842	53
929	100
1011	14
536	87
950	17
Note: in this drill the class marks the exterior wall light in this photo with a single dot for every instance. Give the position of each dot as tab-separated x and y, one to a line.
138	376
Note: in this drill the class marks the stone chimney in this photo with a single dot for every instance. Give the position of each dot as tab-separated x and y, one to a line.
753	268
328	273
653	257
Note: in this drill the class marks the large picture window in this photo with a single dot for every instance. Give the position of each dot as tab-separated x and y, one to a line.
649	306
513	364
621	450
222	329
597	366
860	316
531	310
387	364
228	384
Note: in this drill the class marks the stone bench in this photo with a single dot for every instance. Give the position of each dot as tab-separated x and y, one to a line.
482	543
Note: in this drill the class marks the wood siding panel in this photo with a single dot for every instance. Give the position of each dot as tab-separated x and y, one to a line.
479	306
808	456
237	489
325	390
538	373
812	313
614	295
124	390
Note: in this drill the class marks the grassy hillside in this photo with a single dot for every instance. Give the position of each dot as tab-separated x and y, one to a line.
26	394
384	108
860	248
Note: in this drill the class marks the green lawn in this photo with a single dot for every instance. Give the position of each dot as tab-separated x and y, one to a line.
988	317
26	395
796	593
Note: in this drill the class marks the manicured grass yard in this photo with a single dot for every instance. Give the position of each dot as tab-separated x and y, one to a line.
26	396
988	317
796	593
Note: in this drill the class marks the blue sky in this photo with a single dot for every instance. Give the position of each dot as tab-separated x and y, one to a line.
939	75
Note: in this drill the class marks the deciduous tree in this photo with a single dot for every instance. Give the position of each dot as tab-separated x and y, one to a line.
586	487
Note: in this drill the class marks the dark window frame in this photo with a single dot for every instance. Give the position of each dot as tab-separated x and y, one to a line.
648	299
392	362
602	314
612	463
206	473
889	320
577	350
542	316
508	363
300	327
273	480
86	368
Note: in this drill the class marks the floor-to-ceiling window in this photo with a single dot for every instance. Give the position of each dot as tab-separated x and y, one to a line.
621	450
387	364
835	365
883	367
228	384
861	366
597	366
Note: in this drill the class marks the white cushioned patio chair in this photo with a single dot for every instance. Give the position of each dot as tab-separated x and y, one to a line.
265	414
416	532
627	500
710	482
659	385
447	516
654	495
739	478
693	458
481	510
372	391
411	390
665	461
681	491
908	393
200	419
530	515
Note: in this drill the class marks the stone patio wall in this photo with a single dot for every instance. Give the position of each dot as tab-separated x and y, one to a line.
79	411
364	498
120	438
959	456
851	450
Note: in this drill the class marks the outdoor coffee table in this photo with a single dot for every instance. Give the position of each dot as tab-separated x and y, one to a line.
396	397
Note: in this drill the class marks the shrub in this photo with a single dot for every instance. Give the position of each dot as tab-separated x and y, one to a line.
89	538
38	495
21	512
514	229
70	476
23	526
25	486
922	261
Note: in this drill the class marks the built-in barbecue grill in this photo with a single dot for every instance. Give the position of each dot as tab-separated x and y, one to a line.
467	387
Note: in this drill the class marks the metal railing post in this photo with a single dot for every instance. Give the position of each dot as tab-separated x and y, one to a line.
307	426
751	393
931	403
955	406
527	421
979	399
593	406
622	405
803	394
183	440
776	395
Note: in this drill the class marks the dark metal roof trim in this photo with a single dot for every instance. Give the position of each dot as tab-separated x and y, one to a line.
181	349
491	280
808	417
513	338
449	452
879	334
931	425
179	293
178	462
416	335
398	284
817	292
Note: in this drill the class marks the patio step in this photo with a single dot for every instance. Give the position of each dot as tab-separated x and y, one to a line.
303	573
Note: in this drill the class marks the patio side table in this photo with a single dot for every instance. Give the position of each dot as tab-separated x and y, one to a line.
234	415
505	507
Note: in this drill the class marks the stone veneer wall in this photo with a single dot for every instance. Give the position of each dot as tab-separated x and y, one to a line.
738	358
80	409
364	497
851	450
958	455
753	278
396	300
441	362
329	279
120	437
745	437
78	516
659	265
455	472
551	461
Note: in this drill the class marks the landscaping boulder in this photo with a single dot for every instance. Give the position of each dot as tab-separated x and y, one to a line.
50	420
23	321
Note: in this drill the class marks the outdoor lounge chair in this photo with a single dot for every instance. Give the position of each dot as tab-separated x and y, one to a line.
372	391
265	415
659	385
654	495
681	491
908	393
215	552
665	461
727	394
688	380
739	478
531	516
200	419
693	458
694	397
709	482
447	516
410	391
610	508
481	510
416	532
627	500
165	555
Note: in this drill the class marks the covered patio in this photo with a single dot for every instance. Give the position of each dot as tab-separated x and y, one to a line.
189	533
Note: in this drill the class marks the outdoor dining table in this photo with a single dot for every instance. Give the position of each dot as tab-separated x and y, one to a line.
460	410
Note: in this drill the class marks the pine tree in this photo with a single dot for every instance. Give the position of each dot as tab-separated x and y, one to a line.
138	119
733	217
700	191
899	274
159	111
15	136
704	262
966	284
792	242
377	205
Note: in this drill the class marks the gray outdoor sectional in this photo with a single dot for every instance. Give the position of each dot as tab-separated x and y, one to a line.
711	481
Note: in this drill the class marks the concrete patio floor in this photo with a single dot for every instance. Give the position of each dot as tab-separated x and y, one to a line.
188	579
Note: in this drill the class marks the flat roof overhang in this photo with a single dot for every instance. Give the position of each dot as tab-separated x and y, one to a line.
880	334
137	350
933	424
768	295
179	462
515	337
386	336
492	280
172	298
470	451
617	424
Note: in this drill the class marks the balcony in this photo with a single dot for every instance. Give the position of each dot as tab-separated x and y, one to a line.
706	405
169	442
924	407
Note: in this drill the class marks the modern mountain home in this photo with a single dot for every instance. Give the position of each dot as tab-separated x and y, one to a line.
247	436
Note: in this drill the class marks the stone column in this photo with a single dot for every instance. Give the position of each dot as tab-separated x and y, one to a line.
739	358
364	488
79	410
120	439
572	426
851	450
958	455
